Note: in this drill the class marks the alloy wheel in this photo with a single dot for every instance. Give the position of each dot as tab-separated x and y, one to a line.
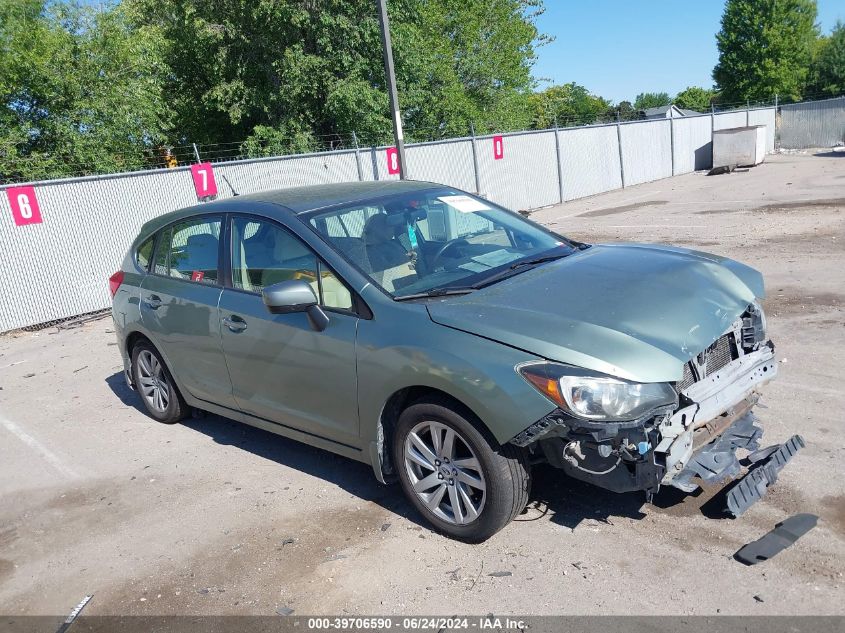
154	384
444	472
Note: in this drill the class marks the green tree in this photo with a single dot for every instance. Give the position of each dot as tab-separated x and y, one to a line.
569	104
695	98
765	48
80	91
306	69
647	100
827	72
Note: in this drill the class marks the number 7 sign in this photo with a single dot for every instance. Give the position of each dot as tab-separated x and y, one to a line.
24	205
204	182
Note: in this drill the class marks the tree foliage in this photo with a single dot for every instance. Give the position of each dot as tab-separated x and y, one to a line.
695	98
569	104
827	71
80	91
315	69
765	48
647	100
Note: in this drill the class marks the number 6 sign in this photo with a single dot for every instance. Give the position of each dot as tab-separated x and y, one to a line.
24	205
204	182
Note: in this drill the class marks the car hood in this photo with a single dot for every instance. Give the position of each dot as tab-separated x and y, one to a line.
636	311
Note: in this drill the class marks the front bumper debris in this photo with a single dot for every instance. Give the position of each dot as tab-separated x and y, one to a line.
717	461
751	488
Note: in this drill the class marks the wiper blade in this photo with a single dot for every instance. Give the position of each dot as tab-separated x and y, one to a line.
437	292
513	269
538	260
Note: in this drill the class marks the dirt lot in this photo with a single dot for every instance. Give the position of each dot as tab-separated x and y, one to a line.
213	517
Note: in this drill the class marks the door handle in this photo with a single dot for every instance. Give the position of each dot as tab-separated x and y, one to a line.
234	323
153	302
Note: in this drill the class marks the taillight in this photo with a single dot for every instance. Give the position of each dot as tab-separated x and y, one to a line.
114	282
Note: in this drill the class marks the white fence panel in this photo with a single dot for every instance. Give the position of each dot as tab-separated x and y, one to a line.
693	144
60	268
646	151
526	177
727	120
589	159
251	176
447	163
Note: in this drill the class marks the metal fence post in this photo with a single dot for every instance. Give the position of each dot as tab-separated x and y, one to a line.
475	160
672	142
621	159
358	156
559	164
196	153
747	114
775	132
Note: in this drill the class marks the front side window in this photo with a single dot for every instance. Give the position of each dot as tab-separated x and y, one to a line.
190	250
264	254
434	239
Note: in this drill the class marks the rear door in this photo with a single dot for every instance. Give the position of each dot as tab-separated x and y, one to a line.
282	369
178	302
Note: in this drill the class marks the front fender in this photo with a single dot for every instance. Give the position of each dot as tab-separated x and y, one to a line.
413	351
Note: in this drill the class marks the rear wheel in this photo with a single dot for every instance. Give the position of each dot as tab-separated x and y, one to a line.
458	477
154	383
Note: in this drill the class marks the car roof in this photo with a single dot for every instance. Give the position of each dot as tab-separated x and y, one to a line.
297	200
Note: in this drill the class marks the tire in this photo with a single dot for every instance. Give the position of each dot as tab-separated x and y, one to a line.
155	385
502	472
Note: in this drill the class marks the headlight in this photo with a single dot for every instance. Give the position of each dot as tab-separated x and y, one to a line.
598	398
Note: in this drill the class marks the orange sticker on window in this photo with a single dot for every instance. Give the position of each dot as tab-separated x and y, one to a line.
197	275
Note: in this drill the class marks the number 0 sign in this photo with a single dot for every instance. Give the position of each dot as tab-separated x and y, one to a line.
498	148
24	205
204	182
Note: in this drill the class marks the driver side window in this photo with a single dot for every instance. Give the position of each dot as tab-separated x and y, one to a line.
264	254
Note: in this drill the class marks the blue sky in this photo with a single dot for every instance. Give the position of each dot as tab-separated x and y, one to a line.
619	48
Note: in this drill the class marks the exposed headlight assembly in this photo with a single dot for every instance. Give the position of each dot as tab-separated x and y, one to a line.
595	397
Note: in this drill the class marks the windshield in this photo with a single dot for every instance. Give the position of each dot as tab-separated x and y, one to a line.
434	240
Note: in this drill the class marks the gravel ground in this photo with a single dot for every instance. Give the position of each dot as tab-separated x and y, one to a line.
214	517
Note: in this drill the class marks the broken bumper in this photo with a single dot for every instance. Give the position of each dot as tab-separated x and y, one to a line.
697	440
701	438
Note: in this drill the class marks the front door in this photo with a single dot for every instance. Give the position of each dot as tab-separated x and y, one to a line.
283	370
179	300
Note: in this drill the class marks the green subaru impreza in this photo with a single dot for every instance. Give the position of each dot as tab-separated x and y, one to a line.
448	342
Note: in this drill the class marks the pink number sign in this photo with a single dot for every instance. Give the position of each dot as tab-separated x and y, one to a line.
204	182
24	205
392	160
498	148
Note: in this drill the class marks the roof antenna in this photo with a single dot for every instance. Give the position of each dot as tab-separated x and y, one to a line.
234	193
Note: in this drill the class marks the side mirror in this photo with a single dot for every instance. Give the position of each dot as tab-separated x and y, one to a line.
296	295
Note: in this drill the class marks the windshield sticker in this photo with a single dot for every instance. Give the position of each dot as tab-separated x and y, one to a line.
496	258
464	204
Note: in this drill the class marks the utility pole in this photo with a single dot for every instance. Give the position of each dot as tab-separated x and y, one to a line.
391	85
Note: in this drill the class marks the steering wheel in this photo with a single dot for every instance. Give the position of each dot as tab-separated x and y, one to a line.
448	246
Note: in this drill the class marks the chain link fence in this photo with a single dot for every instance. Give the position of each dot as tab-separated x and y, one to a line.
58	269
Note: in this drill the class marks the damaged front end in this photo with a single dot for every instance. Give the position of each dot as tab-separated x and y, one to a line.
663	441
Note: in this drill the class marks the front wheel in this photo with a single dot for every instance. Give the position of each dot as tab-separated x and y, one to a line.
458	477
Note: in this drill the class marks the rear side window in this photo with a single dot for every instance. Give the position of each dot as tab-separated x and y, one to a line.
189	250
145	253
